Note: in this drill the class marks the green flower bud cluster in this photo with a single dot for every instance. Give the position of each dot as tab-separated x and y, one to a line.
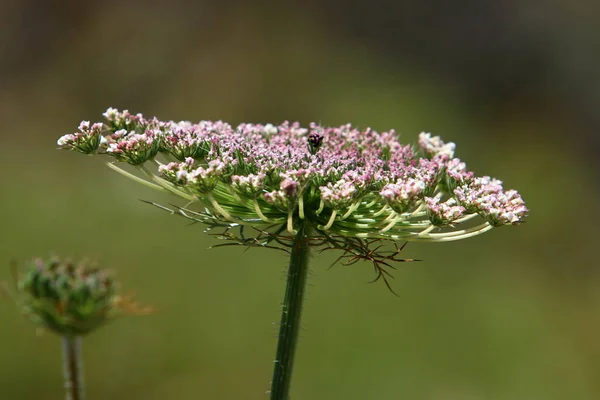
68	299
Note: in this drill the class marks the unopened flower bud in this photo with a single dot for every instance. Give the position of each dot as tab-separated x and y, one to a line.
69	299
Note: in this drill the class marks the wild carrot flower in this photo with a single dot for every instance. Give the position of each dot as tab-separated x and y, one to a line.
343	181
298	187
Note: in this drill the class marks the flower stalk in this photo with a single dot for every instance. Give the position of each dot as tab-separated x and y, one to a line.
72	367
291	313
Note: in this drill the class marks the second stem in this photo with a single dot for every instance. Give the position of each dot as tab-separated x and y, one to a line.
290	316
72	367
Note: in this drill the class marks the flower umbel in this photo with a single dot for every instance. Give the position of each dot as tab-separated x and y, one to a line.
343	181
353	187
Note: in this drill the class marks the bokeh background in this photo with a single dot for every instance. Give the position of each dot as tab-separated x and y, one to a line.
512	314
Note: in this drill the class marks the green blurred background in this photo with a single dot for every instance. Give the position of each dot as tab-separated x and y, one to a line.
512	314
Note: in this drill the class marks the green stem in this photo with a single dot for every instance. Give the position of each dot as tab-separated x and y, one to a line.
290	316
72	367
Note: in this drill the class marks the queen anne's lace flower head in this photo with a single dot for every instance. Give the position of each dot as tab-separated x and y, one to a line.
342	180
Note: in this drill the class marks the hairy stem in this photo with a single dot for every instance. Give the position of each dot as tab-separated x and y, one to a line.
72	367
290	316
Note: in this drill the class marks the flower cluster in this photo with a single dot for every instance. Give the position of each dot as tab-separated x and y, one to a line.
70	299
343	180
134	148
86	140
198	180
443	213
485	196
